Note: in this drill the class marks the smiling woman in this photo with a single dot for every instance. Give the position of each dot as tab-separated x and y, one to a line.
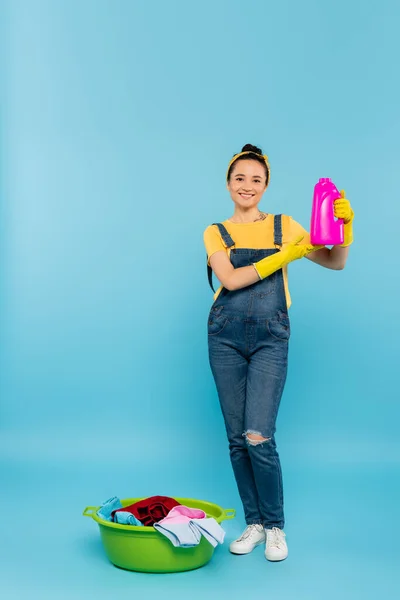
248	337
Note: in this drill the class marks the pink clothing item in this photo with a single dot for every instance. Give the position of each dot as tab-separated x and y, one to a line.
183	514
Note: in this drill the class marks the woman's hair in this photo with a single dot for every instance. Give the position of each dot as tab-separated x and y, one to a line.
255	154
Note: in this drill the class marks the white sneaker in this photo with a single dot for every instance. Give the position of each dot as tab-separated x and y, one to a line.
252	536
276	547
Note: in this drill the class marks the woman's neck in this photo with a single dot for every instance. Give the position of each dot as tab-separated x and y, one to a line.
240	217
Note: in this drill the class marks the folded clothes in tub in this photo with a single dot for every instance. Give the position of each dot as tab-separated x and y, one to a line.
184	527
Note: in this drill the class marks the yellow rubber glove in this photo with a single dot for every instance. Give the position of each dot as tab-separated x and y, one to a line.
293	251
343	210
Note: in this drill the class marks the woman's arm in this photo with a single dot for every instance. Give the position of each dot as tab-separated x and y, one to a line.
334	258
231	278
234	279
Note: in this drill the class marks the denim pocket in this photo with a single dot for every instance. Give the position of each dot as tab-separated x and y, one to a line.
216	320
265	287
279	326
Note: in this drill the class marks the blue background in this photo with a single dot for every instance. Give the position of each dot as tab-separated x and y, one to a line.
118	120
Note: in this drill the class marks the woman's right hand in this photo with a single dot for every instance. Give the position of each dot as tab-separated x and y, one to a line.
294	250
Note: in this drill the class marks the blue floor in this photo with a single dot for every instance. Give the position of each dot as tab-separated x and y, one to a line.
342	526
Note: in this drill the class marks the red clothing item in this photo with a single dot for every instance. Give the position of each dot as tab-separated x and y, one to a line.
150	510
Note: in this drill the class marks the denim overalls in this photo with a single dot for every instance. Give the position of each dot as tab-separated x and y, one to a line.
248	334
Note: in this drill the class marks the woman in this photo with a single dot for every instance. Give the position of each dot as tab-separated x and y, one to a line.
248	334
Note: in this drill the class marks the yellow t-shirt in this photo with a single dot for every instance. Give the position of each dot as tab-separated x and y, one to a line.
257	235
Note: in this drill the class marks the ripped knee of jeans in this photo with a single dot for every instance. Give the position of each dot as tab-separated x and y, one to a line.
255	438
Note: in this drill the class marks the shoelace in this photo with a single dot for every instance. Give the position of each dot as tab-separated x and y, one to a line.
275	537
248	532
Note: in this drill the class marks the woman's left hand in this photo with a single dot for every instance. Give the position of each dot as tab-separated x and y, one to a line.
342	208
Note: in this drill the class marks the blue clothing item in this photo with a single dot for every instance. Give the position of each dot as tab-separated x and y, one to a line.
187	535
107	507
180	534
126	518
210	529
248	335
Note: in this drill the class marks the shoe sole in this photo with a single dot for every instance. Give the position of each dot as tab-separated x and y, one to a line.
248	551
275	559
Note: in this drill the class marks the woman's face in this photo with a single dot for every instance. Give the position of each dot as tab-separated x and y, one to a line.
247	183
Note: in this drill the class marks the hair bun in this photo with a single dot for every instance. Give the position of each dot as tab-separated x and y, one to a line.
251	148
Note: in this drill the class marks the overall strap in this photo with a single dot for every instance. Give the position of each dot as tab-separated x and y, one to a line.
228	241
278	230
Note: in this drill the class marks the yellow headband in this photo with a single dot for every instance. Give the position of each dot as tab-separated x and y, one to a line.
264	156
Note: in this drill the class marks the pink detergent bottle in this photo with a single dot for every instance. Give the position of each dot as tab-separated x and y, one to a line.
325	229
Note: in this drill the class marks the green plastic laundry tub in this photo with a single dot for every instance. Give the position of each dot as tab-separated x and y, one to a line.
145	549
